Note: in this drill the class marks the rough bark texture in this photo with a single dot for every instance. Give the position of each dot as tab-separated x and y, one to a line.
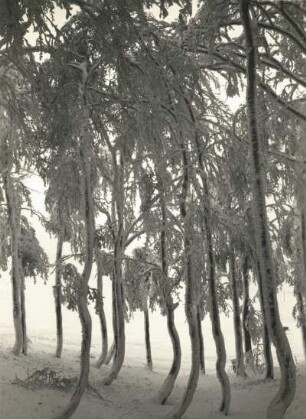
14	235
101	314
147	338
190	298
169	382
84	314
240	369
246	311
285	395
202	353
58	295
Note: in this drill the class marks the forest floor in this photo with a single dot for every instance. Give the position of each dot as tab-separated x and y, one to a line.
131	395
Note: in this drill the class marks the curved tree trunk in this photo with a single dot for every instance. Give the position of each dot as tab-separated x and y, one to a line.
58	294
119	323
14	236
215	316
246	312
110	354
84	314
202	353
169	382
101	314
23	311
285	395
266	339
240	369
190	297
203	196
147	338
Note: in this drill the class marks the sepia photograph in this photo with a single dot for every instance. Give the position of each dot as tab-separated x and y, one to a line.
152	209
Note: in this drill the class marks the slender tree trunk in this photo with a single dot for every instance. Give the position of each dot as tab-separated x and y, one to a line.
58	294
14	236
23	311
147	338
203	196
101	314
266	339
213	307
301	286
119	329
285	395
84	314
110	354
169	382
302	317
190	297
246	311
202	354
240	369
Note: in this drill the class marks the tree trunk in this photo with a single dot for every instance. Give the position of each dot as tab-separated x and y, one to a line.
246	312
301	286
101	314
169	382
58	294
240	369
119	324
266	339
23	311
190	300
110	354
285	395
84	314
203	196
14	236
147	338
202	354
213	306
302	317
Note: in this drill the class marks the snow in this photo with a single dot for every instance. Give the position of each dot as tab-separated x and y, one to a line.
132	395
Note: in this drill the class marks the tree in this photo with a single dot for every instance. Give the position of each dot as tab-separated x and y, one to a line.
282	401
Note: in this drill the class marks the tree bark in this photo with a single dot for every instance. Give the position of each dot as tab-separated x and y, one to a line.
84	314
190	300
58	294
246	311
240	369
14	222
301	286
285	395
203	196
101	314
169	382
119	323
266	339
147	338
23	311
202	353
110	354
